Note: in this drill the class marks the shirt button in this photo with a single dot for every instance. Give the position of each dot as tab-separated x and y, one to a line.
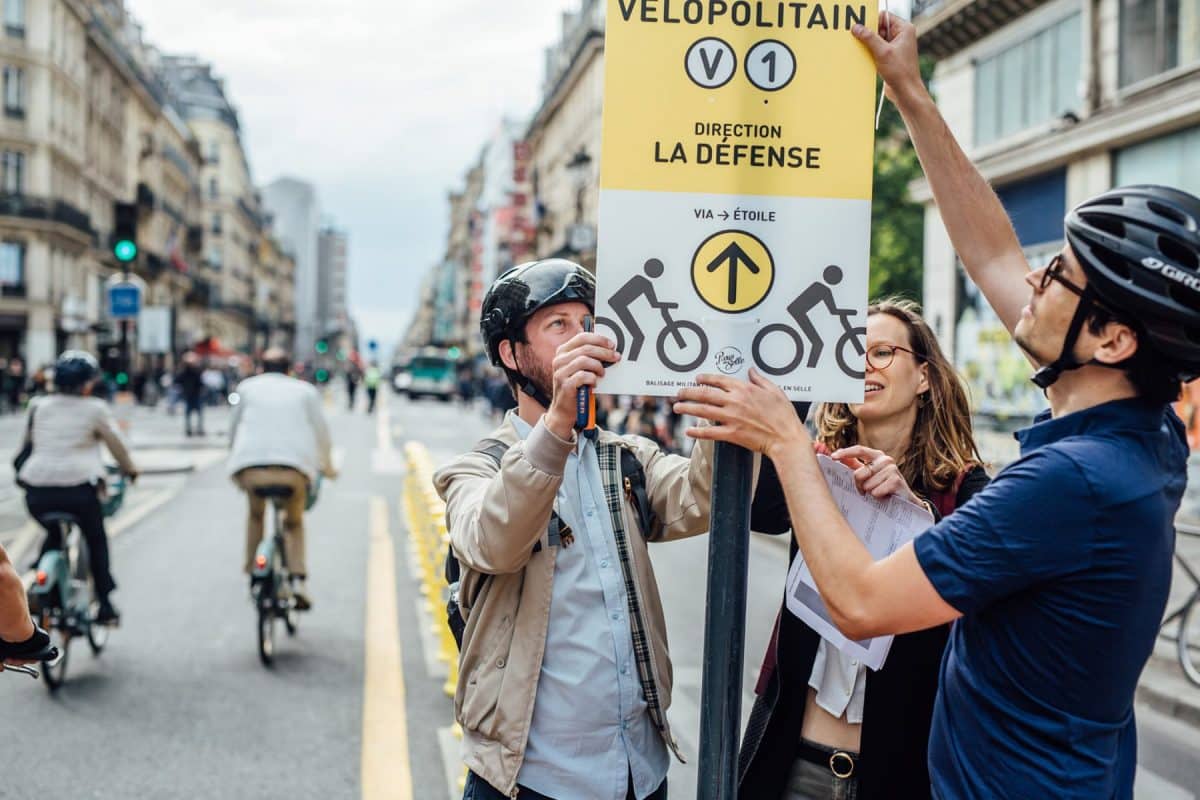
616	616
854	663
591	513
500	663
604	563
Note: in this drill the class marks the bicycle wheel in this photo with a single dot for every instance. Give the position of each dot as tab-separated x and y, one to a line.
266	624
756	349
855	336
1189	640
81	572
691	354
55	673
617	335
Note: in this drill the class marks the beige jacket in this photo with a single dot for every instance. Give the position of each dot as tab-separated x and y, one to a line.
495	519
67	433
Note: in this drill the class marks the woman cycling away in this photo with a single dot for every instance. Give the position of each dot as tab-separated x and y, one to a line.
64	472
824	726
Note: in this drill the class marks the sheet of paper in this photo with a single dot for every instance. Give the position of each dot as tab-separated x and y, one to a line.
883	526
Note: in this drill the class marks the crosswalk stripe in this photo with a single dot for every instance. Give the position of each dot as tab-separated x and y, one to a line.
386	771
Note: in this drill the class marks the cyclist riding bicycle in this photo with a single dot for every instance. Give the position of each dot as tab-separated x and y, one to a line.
64	471
279	437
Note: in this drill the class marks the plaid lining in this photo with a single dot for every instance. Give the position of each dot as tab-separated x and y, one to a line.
610	459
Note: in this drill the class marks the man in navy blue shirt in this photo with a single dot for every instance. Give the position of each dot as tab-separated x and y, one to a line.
1057	573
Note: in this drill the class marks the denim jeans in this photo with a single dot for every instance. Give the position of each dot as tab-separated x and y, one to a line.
479	789
809	781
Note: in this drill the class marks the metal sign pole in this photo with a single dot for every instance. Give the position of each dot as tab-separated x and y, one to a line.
725	622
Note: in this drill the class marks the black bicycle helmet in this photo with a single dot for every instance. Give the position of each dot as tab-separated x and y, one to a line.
74	369
519	293
1140	249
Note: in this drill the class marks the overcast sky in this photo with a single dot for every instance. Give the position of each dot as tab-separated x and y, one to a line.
381	104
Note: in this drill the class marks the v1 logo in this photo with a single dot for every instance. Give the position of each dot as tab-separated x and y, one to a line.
711	63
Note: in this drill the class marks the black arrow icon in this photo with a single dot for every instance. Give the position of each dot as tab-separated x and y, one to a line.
724	215
733	255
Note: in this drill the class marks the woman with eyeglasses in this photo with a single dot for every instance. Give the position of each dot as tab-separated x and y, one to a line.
825	727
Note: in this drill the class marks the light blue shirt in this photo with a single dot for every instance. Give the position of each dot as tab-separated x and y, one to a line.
590	729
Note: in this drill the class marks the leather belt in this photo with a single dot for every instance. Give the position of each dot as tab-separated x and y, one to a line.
842	763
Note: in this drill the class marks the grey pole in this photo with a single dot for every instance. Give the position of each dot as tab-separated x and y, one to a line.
725	623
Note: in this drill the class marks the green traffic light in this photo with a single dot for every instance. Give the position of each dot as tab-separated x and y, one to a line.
322	347
455	352
341	355
122	378
125	251
322	375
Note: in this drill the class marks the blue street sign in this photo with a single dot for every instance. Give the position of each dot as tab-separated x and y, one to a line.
373	345
124	301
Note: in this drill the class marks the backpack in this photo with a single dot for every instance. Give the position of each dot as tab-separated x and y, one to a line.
635	487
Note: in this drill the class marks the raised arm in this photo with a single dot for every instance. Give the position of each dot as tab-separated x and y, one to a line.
979	227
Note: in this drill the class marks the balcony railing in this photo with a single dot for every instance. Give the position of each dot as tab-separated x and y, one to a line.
12	290
42	208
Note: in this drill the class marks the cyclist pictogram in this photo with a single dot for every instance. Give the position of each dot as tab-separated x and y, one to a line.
733	271
853	337
681	345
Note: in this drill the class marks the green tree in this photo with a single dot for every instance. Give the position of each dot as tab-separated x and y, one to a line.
897	223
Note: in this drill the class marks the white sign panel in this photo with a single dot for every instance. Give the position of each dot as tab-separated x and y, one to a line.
154	329
735	195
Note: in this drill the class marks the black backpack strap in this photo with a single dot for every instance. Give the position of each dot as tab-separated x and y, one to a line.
634	475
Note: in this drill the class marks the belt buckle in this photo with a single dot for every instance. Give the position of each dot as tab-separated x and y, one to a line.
833	765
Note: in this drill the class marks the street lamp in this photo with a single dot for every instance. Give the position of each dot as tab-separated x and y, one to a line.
579	168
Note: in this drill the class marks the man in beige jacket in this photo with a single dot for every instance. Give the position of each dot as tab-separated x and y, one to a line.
564	676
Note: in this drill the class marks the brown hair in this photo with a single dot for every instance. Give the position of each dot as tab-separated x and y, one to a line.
942	442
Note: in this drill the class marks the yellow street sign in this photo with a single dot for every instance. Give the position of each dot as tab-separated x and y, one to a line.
733	271
762	98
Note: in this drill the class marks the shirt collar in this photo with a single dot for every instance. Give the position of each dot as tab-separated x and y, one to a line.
1131	413
523	430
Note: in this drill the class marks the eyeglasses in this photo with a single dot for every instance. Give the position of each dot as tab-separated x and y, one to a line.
881	356
1053	272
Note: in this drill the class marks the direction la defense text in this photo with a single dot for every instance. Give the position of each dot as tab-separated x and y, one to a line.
746	13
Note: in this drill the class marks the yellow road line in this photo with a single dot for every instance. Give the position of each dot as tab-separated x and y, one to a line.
386	771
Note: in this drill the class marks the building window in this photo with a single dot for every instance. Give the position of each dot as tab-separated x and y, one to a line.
215	259
214	152
1030	83
1169	160
14	92
216	224
14	18
1156	36
214	189
12	167
12	266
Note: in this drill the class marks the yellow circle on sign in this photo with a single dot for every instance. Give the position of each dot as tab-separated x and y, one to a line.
733	271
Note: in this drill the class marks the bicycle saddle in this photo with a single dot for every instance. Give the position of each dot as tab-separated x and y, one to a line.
56	517
281	492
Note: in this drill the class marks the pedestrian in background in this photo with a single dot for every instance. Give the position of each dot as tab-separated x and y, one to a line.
824	726
189	380
352	379
14	384
371	381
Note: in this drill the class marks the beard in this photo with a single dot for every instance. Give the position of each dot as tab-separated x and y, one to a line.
537	374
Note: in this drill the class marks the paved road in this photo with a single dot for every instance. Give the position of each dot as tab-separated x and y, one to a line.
179	706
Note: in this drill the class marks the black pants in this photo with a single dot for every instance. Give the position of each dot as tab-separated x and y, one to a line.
193	405
371	393
83	502
479	789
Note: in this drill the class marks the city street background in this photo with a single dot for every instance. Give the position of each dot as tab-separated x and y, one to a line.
179	706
